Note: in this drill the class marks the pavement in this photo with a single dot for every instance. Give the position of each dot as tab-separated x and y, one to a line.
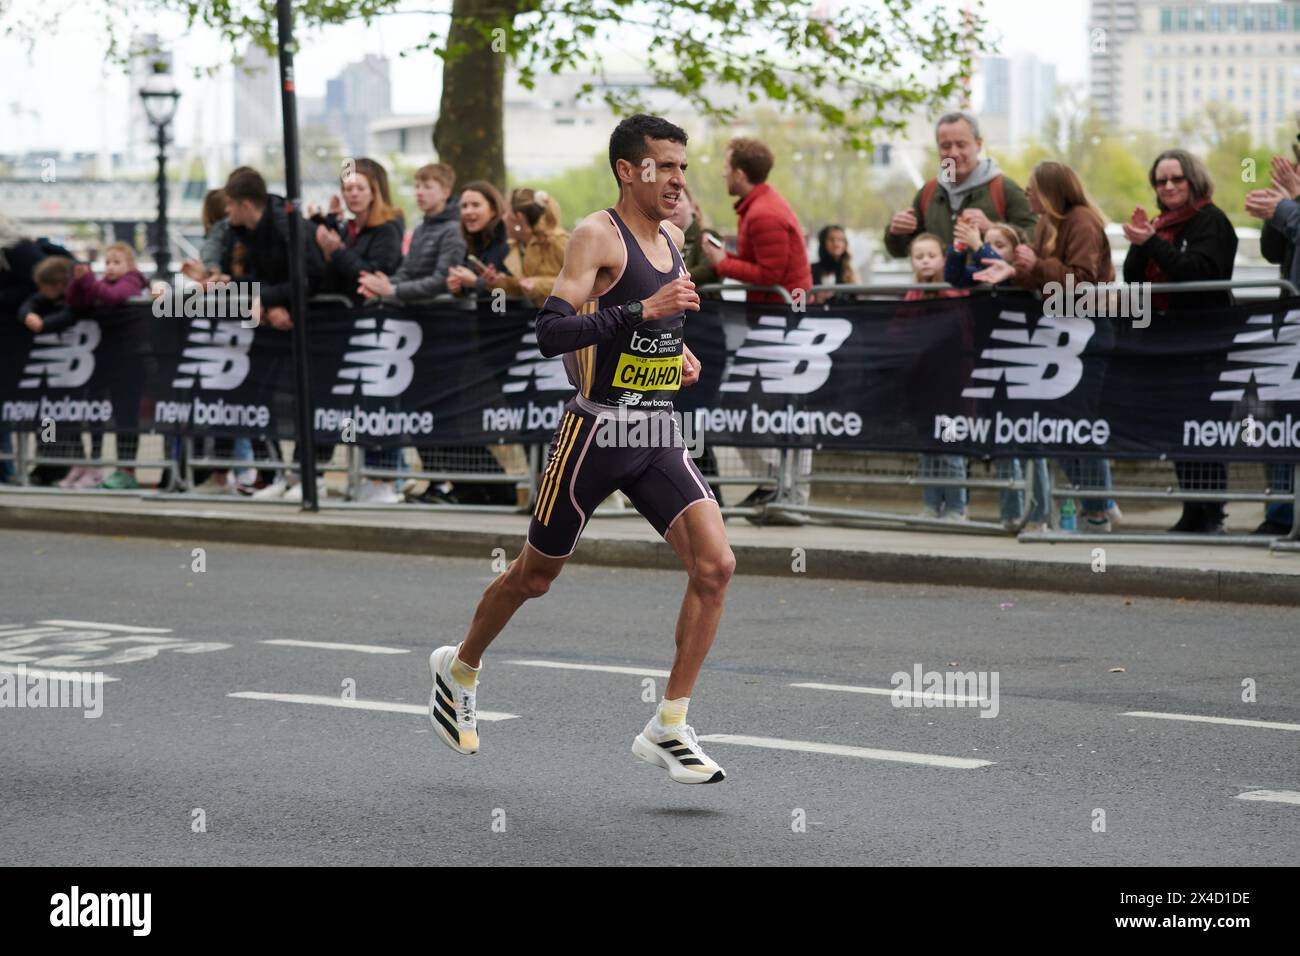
1200	571
270	708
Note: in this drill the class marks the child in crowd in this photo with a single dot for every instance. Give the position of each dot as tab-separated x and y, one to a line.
948	502
122	280
969	250
927	266
45	310
436	244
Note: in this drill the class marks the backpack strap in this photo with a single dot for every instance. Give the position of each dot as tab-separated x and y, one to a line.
998	194
927	193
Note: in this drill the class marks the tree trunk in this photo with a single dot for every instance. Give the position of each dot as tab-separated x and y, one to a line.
470	132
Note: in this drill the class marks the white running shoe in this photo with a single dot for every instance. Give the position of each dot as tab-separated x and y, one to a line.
451	705
275	489
377	493
677	749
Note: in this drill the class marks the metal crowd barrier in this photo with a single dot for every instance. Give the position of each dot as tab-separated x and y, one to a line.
786	503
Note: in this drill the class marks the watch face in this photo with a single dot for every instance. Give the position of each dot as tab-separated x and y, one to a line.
634	307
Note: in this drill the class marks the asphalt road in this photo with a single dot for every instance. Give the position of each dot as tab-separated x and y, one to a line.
288	781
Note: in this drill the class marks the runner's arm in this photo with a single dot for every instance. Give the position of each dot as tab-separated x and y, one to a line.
559	328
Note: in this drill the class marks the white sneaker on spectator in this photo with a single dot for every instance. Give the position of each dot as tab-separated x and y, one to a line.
1114	514
294	494
275	489
377	493
91	478
72	477
242	476
956	516
217	483
928	512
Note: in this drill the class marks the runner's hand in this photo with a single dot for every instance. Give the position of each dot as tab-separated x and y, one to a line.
677	296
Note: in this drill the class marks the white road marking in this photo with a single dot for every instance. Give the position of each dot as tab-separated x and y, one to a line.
384	705
74	676
325	645
889	692
606	668
1196	718
1272	796
866	753
110	627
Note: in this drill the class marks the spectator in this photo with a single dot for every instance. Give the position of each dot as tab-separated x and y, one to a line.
257	250
124	335
1190	241
770	246
1070	238
20	253
1279	208
770	250
533	224
46	309
257	247
216	232
436	245
998	241
834	265
690	219
482	225
369	241
967	187
947	501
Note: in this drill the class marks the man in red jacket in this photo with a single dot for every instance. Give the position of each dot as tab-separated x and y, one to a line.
770	250
770	245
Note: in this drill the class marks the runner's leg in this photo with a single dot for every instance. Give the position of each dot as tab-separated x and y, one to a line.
529	576
700	541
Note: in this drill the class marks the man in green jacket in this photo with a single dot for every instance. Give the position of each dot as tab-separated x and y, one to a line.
967	186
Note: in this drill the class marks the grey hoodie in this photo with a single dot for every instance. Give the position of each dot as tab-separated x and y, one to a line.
985	170
436	246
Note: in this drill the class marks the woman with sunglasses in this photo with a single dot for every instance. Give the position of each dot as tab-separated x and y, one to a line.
1191	240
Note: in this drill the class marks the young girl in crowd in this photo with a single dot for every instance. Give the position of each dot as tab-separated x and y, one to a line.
947	502
834	265
121	281
482	224
969	250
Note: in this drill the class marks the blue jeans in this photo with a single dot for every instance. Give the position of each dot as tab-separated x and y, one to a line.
1089	474
1279	479
1013	499
383	458
950	499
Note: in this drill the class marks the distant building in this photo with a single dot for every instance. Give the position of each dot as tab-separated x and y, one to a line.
1019	96
1110	22
1187	55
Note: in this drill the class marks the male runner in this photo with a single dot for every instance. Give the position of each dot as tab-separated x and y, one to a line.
623	346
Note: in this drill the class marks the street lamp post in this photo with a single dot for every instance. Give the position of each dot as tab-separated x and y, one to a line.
159	94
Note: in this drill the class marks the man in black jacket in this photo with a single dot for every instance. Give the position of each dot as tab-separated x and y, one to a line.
257	248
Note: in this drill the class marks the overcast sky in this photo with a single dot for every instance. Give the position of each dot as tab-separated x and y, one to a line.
62	96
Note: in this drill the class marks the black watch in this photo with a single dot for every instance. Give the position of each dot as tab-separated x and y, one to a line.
634	308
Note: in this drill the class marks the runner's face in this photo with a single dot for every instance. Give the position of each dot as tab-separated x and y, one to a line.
659	180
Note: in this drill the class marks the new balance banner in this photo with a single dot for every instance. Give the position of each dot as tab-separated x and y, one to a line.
977	375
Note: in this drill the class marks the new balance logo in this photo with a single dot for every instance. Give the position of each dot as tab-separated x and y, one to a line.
1046	364
63	359
793	363
383	363
543	374
217	354
1273	366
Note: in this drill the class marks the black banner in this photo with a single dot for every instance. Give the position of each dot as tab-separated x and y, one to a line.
977	375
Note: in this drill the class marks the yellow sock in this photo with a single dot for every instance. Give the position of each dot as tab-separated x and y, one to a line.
462	673
673	712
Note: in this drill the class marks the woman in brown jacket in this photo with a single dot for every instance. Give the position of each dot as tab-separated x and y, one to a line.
1070	239
537	243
